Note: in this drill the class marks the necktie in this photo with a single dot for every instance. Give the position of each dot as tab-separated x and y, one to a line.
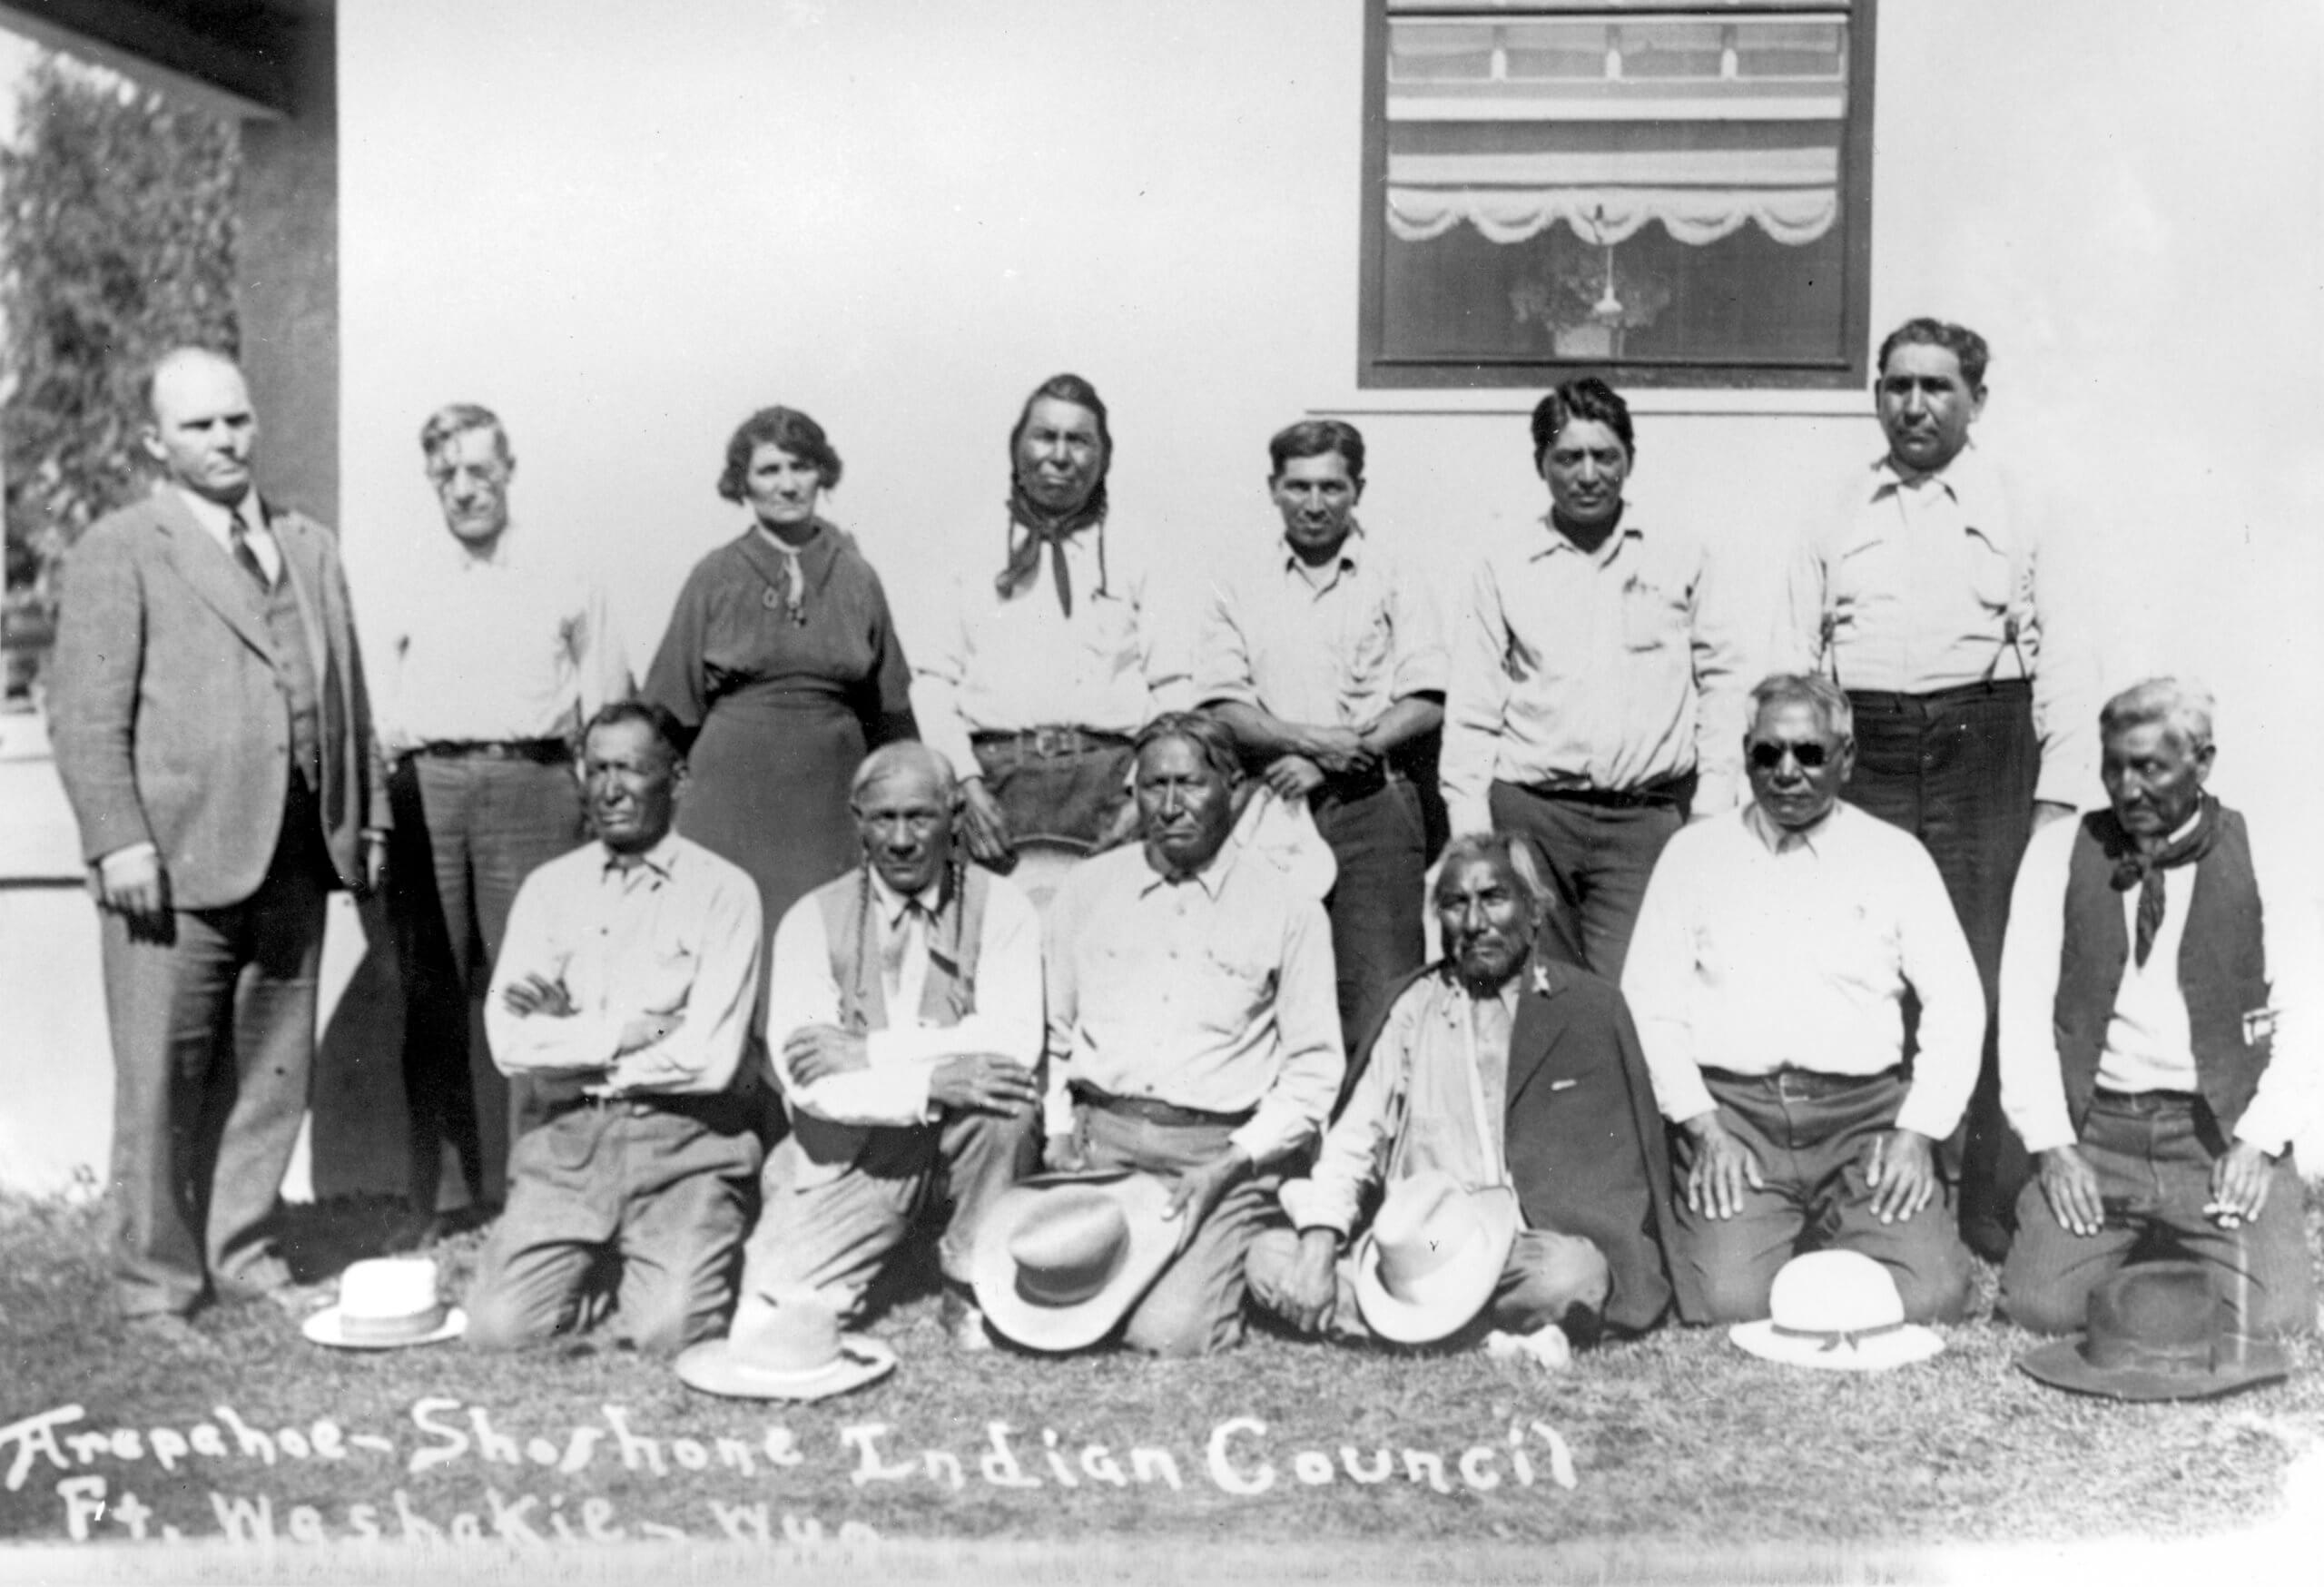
794	584
914	917
238	535
2150	911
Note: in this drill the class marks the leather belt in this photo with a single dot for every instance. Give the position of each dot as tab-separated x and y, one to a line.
1154	1111
542	752
2000	690
1667	794
1052	743
2144	1102
1801	1082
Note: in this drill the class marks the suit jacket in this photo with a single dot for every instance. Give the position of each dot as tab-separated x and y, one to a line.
1585	1140
169	723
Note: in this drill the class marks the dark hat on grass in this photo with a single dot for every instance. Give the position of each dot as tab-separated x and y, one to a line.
2156	1331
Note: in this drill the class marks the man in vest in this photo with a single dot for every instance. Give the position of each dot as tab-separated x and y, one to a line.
213	735
2151	1072
904	1012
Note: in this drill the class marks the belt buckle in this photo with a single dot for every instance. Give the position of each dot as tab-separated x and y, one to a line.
1049	743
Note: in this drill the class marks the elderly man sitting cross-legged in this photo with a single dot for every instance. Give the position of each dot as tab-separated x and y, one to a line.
1767	975
1494	1068
904	1012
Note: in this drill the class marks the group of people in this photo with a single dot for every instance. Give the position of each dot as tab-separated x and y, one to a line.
1733	966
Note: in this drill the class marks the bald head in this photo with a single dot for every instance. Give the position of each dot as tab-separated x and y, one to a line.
199	424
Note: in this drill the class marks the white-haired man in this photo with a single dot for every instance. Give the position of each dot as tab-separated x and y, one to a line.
1767	977
2156	1053
904	1011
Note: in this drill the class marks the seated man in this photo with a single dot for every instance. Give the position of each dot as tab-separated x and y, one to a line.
1495	1077
904	1012
1194	1028
624	991
1768	976
2154	1056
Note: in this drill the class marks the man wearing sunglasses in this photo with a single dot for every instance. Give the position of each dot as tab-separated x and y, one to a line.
1767	977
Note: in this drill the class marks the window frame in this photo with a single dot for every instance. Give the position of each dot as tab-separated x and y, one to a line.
1376	370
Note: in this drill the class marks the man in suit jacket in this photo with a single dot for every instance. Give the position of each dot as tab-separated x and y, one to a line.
210	723
1493	1036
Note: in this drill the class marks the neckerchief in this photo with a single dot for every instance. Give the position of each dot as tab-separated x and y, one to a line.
2144	872
1043	527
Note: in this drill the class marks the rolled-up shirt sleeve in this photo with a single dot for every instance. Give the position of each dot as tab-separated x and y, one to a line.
1307	1023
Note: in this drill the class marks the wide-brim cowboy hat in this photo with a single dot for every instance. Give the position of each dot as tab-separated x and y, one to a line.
1062	1257
2156	1331
1836	1311
786	1349
1430	1261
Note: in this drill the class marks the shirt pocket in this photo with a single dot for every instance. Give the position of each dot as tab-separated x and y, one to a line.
665	977
1236	981
1990	571
1654	614
1367	657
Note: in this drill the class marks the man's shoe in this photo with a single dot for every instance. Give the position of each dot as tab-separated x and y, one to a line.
961	1321
1546	1347
170	1333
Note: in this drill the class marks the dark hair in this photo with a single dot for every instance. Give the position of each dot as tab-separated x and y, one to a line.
786	427
457	418
1207	733
1589	399
1317	437
1073	388
1961	342
664	726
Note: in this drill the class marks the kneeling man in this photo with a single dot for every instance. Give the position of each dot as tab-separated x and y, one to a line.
2153	1054
1767	975
904	1012
1495	1068
624	993
1194	1025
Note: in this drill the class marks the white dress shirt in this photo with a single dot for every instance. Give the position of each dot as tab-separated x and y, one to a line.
1215	992
1335	654
1915	585
508	646
1612	669
1758	950
2148	1046
900	1061
676	933
1003	664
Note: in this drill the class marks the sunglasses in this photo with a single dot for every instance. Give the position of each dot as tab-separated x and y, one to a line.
1811	757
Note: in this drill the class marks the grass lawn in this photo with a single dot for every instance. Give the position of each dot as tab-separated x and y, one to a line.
1678	1449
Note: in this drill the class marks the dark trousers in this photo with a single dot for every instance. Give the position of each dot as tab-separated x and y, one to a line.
467	831
213	1040
1958	769
2154	1156
1381	845
1599	856
1812	1133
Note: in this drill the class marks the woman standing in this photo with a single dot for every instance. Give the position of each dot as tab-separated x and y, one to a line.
783	665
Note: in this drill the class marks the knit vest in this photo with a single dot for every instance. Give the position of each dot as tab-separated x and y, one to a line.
947	996
286	631
2222	967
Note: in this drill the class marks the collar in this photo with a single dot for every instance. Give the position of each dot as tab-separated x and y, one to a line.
219	520
661	859
891	903
1211	878
499	557
1778	841
1956	477
1553	540
1345	560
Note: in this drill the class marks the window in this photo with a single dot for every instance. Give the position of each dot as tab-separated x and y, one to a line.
1667	194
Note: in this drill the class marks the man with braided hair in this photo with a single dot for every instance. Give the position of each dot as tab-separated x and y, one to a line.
904	1015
